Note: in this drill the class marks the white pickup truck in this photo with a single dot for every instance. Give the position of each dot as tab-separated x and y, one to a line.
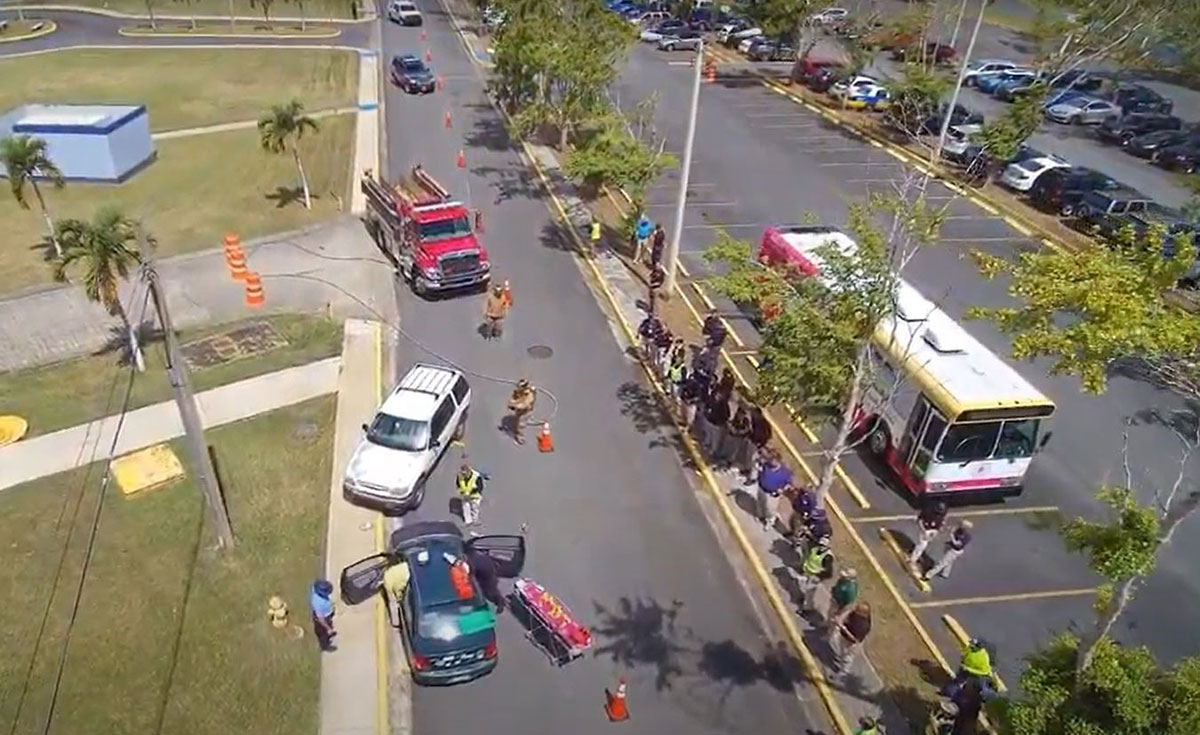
404	12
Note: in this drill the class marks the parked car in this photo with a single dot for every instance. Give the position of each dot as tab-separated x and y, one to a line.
1022	175
447	629
406	438
1120	130
1010	90
707	19
867	97
1148	145
1181	157
851	86
1079	80
989	83
410	74
982	68
735	33
932	125
1138	98
665	28
749	42
939	53
404	12
829	17
824	79
959	139
1103	211
1082	110
805	69
1060	190
683	38
772	51
649	17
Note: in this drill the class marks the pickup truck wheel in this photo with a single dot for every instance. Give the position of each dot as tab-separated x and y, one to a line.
1066	210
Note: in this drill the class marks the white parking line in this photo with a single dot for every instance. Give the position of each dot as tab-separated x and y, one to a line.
861	163
693	204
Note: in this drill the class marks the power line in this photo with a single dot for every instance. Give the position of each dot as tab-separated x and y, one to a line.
61	564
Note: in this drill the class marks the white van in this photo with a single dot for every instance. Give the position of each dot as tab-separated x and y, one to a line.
404	12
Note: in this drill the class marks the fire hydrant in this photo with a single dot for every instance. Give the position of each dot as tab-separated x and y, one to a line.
277	612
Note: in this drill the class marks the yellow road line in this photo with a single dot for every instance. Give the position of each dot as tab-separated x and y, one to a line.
742	353
1018	227
1013	597
382	726
960	634
781	608
889	540
963	513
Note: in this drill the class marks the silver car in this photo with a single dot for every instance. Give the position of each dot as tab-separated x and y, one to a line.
683	38
1082	110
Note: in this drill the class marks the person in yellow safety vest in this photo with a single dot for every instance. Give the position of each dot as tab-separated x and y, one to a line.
816	568
976	661
868	726
470	492
594	234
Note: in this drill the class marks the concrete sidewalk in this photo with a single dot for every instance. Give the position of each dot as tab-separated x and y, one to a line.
244	124
858	690
80	445
354	677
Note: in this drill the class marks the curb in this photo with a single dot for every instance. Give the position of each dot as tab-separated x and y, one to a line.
128	33
367	17
49	27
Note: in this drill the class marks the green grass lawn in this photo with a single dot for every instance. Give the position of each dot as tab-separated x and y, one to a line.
171	636
312	8
36	393
183	88
200	187
241	28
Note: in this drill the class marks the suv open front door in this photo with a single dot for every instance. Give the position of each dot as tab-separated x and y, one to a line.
507	551
363	579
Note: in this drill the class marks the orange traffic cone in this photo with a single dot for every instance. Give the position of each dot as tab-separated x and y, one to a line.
428	55
614	705
236	260
710	70
437	83
423	36
462	159
448	122
254	291
544	442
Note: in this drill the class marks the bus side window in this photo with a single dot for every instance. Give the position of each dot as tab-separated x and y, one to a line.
933	432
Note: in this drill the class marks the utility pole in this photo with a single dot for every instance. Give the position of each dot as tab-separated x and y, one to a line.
962	74
185	399
962	8
677	233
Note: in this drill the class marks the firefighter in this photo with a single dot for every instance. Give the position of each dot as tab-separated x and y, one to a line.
521	403
494	311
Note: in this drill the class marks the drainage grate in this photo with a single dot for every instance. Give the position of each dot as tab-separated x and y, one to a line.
540	352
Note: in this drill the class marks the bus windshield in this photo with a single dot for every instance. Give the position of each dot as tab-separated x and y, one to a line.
1011	439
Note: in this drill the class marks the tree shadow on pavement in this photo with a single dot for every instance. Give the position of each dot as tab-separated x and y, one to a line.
488	131
643	633
509	183
641	406
555	237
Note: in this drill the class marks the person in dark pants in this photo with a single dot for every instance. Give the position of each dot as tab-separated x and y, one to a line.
657	278
760	436
322	613
716	420
714	330
658	242
484	569
726	384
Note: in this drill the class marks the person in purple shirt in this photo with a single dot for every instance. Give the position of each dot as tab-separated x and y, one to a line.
772	479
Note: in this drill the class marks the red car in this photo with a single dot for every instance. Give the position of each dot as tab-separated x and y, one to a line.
940	53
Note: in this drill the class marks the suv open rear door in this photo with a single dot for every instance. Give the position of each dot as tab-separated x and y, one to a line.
363	579
507	551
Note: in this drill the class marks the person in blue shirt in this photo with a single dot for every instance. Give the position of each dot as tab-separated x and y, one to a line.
772	479
322	613
641	234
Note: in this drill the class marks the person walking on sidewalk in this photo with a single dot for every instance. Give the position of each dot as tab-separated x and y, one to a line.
495	308
658	242
648	332
955	546
677	369
726	384
868	726
714	329
691	396
842	597
852	633
322	613
655	282
662	350
815	568
470	493
929	524
760	436
716	420
641	234
521	403
739	450
594	233
773	478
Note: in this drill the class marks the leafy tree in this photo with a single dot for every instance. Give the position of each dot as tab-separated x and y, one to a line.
915	97
265	6
1087	309
25	161
1002	137
281	129
1123	692
816	350
104	251
616	151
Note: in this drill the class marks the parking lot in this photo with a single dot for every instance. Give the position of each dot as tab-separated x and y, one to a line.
761	158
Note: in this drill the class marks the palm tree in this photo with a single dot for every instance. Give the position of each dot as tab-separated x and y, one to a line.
24	158
106	250
281	129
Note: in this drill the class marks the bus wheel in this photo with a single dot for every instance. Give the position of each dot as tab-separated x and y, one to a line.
878	441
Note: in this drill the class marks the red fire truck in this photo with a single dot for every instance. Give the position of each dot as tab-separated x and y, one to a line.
427	234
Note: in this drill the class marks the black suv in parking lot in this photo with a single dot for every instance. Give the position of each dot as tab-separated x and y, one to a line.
1138	98
1183	157
1123	129
1060	190
1148	145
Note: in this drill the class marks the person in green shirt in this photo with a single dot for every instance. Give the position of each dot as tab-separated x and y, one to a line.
842	597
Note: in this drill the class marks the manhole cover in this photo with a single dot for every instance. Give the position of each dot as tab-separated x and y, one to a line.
540	352
305	432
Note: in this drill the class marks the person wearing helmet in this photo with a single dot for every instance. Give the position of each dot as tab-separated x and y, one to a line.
494	311
521	403
815	568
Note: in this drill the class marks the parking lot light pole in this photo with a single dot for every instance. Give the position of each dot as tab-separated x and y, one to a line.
958	84
677	232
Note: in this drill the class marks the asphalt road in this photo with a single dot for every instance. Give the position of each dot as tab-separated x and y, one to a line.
762	159
91	29
614	528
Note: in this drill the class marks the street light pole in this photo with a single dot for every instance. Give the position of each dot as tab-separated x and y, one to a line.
962	74
185	400
677	232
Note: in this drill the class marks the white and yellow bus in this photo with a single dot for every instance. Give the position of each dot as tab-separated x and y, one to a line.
946	414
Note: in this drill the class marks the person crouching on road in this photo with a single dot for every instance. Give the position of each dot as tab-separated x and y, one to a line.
852	633
815	568
470	493
322	613
521	403
494	311
641	234
483	568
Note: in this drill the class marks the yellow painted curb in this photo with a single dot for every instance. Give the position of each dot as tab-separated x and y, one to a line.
133	32
49	27
382	726
889	539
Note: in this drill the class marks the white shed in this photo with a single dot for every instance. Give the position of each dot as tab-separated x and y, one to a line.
106	143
